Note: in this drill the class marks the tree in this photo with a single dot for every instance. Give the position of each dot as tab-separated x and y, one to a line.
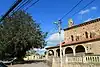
19	33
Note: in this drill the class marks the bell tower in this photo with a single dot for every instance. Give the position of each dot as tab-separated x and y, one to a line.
70	23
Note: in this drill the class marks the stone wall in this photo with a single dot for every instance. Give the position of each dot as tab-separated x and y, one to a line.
79	33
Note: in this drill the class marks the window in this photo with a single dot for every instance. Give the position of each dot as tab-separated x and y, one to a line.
86	34
72	37
77	38
92	34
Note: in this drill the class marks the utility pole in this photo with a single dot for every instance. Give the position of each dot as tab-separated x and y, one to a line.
59	28
7	13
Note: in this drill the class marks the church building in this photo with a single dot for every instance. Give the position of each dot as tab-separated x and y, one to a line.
81	46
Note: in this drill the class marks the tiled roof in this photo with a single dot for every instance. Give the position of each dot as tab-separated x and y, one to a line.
77	42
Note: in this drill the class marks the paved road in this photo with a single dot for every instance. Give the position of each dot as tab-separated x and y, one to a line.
38	64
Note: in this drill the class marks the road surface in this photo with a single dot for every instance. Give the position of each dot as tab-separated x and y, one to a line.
38	64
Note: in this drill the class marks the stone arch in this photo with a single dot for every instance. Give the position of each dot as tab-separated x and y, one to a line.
50	52
58	52
68	50
79	49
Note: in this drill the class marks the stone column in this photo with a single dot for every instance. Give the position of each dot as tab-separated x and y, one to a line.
63	51
54	52
47	55
85	49
74	52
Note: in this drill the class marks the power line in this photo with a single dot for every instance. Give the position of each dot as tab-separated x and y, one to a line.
13	4
23	4
71	9
83	7
7	13
32	5
16	8
19	5
50	32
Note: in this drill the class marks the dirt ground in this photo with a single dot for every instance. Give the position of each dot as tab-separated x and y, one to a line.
38	64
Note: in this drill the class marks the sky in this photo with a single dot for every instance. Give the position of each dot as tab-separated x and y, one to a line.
46	12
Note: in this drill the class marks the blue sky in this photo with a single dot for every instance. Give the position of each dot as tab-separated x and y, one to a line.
46	12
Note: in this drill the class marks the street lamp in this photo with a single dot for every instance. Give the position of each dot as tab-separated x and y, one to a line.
59	28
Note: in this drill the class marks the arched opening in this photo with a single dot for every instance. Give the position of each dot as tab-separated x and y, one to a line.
80	49
68	50
50	52
58	53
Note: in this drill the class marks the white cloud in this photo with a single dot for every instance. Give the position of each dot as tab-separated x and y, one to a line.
54	39
88	19
87	10
84	11
40	51
93	8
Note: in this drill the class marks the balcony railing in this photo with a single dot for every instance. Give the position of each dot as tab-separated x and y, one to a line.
79	59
